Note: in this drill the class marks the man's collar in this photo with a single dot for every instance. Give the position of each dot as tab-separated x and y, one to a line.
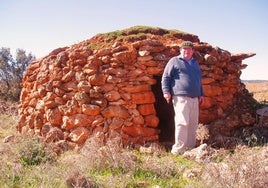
180	57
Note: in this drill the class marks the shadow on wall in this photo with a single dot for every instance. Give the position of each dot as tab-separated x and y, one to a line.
164	112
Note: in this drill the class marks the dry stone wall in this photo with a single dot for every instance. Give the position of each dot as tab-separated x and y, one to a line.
104	84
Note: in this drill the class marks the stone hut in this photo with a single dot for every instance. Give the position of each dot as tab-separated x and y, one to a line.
111	84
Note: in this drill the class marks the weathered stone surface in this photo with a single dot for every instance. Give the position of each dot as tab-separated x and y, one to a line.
136	131
143	98
151	120
79	135
115	111
76	120
54	116
146	109
90	109
55	134
79	88
136	88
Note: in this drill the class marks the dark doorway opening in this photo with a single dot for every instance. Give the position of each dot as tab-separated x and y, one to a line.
165	113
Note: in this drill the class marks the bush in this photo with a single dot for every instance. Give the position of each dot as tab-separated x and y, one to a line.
33	152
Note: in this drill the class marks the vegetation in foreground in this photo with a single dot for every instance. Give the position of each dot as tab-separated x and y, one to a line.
28	162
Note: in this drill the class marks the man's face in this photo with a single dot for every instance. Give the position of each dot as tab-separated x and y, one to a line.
187	53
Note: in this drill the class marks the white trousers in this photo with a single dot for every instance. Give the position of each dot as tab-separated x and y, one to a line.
186	123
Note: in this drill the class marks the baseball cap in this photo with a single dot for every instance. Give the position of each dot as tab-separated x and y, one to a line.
186	44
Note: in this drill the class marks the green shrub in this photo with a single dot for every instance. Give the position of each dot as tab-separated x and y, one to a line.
34	152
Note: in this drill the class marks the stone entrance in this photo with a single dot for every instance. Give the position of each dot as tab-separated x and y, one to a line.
164	112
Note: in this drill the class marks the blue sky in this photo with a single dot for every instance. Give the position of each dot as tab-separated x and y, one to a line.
239	26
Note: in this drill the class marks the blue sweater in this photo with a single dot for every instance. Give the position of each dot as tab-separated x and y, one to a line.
182	78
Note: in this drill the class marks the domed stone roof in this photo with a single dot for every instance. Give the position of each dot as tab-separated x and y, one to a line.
111	84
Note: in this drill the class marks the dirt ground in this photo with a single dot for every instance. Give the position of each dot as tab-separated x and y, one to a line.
259	89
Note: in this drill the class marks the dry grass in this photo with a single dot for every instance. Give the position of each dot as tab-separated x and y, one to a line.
28	162
259	90
244	167
107	164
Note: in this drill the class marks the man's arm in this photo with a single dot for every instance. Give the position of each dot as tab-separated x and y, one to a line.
165	82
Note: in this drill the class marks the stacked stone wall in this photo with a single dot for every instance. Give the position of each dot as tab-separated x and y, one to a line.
76	92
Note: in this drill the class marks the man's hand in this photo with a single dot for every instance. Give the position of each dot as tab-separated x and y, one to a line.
167	96
201	100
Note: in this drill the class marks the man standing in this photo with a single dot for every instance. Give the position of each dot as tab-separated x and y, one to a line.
181	82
